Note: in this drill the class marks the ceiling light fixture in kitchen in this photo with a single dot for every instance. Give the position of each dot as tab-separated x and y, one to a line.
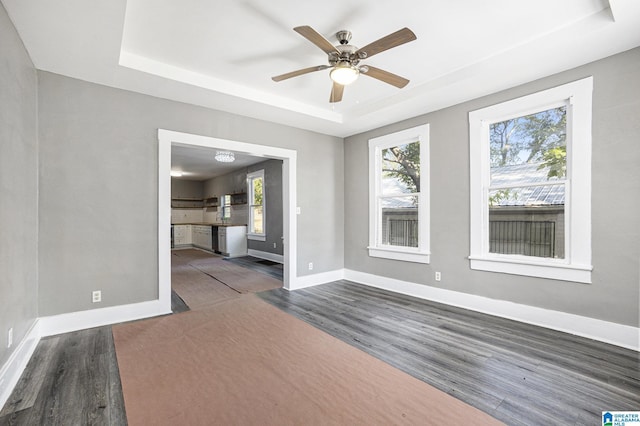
225	156
176	173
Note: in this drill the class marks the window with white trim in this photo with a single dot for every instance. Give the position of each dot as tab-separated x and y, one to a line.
255	190
225	205
399	195
531	184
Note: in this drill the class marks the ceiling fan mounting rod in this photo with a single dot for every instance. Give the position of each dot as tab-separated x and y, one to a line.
344	36
344	53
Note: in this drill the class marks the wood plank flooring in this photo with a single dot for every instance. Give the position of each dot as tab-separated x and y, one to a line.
177	304
71	379
518	373
272	269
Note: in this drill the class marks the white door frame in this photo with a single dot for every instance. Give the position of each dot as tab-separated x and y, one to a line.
167	138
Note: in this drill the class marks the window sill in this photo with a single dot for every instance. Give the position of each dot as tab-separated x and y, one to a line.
399	254
539	269
257	237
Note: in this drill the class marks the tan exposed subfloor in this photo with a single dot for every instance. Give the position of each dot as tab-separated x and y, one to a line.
202	279
240	361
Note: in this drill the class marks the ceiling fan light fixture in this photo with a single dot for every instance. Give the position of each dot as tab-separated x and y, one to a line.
344	59
225	156
344	73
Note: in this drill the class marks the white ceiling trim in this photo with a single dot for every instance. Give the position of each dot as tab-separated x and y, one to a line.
171	72
86	41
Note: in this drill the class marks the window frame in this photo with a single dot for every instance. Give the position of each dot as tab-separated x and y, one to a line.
225	204
251	177
420	254
576	265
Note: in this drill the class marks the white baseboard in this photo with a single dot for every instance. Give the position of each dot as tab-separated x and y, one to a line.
12	370
603	331
266	255
316	279
608	332
64	323
74	321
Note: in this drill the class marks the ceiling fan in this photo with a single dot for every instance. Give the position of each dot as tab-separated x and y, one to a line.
344	59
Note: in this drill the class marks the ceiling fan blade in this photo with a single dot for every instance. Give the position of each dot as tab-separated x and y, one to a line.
336	93
299	72
385	76
316	38
402	36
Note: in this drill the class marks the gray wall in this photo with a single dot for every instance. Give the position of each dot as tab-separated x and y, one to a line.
18	188
231	183
273	207
234	182
182	188
614	295
98	195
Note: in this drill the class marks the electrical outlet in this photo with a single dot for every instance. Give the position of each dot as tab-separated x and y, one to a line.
10	337
311	266
438	276
274	245
96	296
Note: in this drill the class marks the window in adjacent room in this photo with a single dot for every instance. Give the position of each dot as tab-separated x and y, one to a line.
225	203
255	183
531	183
399	195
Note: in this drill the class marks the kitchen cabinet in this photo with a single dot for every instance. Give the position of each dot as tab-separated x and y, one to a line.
187	203
238	198
232	241
181	235
201	235
211	202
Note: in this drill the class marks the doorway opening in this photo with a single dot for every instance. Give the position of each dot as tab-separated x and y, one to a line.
168	139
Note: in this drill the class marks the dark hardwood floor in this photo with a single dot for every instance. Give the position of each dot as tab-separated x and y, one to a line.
71	379
267	267
518	373
177	304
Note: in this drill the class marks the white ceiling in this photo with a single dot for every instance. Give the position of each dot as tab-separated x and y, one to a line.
222	54
198	163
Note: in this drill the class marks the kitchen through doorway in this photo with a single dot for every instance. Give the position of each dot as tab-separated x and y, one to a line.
261	157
